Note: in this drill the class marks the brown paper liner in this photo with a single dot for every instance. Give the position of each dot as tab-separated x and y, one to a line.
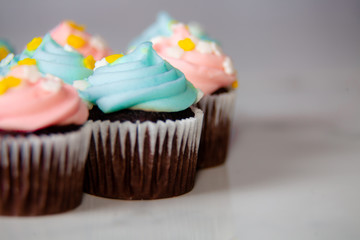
42	174
145	160
218	111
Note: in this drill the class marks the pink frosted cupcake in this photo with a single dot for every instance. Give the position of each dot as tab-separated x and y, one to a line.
43	145
205	66
68	34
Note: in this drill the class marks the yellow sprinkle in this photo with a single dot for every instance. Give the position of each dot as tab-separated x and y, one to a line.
27	61
11	81
89	62
76	26
187	44
3	87
8	82
34	43
3	52
235	84
75	41
113	58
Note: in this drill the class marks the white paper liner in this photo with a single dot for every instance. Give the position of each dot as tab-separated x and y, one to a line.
32	168
185	133
222	104
218	114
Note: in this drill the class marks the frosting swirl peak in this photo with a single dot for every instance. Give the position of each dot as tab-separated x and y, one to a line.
140	80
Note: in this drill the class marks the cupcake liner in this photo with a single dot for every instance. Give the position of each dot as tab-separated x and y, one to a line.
145	160
218	112
42	174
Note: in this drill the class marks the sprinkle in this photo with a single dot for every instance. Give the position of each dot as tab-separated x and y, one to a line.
157	39
97	42
3	52
216	49
203	47
89	62
76	26
34	44
228	66
3	88
69	48
175	52
27	61
81	84
12	81
235	84
187	44
100	63
75	41
8	82
113	58
51	83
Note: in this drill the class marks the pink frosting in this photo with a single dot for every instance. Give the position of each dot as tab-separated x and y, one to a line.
39	102
204	70
94	45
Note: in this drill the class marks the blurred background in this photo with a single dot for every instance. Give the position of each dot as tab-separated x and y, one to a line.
275	44
294	164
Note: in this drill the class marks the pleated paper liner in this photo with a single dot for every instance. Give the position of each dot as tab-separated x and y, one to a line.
42	174
218	112
147	160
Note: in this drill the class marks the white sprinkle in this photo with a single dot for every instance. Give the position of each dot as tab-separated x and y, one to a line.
194	39
100	63
81	84
69	48
157	39
216	49
97	42
228	66
51	83
204	47
7	60
175	52
31	73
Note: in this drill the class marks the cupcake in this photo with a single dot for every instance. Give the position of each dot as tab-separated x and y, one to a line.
52	58
162	27
43	143
205	66
145	134
71	35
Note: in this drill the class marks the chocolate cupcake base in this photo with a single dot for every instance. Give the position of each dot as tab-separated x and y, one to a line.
218	110
143	160
42	174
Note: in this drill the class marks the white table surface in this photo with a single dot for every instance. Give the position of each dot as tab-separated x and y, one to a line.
292	173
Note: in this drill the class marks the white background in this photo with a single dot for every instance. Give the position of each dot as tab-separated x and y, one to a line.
293	170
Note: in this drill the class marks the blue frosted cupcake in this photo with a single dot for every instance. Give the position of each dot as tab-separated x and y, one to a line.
145	134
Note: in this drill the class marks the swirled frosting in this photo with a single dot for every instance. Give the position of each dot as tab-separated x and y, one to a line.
30	101
140	80
70	34
202	62
163	27
54	59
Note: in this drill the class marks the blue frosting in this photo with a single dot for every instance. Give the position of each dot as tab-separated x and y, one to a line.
140	80
54	59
